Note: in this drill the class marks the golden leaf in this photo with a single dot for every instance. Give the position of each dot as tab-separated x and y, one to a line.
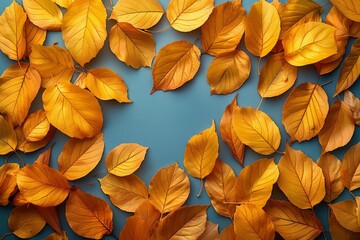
57	236
126	193
229	19
80	81
338	232
135	228
278	5
36	126
301	179
64	3
355	30
25	221
105	84
169	188
354	103
331	167
19	199
220	187
50	215
149	214
251	222
255	182
44	157
42	185
249	125
350	8
20	86
12	36
228	72
72	110
53	63
84	29
141	14
309	43
276	76
26	146
188	15
305	111
34	36
125	159
228	233
350	70
211	231
346	214
175	64
262	28
8	139
44	14
338	128
8	188
132	46
79	157
201	152
87	215
293	223
350	168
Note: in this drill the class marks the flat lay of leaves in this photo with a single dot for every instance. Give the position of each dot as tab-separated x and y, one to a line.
52	90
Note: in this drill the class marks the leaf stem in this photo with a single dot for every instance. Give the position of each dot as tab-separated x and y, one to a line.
21	159
201	187
259	62
234	203
260	103
158	31
83	185
7	158
5	235
325	83
351	193
280	152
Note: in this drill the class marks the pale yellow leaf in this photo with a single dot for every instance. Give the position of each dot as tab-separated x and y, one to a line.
346	214
354	103
34	36
211	231
350	8
350	168
36	126
8	138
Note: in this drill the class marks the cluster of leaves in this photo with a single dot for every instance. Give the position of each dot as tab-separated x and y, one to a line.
293	31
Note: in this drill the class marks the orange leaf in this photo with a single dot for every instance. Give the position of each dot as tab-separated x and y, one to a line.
64	3
19	199
36	126
350	8
228	233
50	215
211	231
338	232
44	157
354	103
8	139
8	173
34	36
26	146
135	228
350	168
346	214
147	212
57	236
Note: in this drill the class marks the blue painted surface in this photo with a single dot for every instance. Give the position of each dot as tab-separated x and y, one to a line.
166	121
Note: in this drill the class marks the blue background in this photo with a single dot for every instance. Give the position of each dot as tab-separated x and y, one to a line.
166	121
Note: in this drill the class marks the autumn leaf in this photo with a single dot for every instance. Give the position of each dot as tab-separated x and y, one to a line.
229	19
276	76
8	139
132	46
251	222
301	179
169	188
338	232
8	185
147	212
141	14
63	3
135	228
262	28
12	36
44	157
249	125
42	185
350	8
51	217
355	30
350	168
72	110
34	36
211	231
44	14
228	233
354	103
228	72
305	111
80	156
346	214
293	223
84	29
309	43
255	182
19	199
175	64
87	215
57	236
80	81
26	146
36	126
338	128
126	193
187	15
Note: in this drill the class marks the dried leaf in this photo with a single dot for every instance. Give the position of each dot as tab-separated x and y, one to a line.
80	81
34	36
50	215
338	232
19	199
57	236
44	157
350	8
36	126
147	212
355	30
211	231
278	5
228	72
8	173
228	233
8	137
175	64
350	168
26	146
44	14
346	214
354	103
135	228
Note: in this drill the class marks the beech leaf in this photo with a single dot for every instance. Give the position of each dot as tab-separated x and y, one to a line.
36	126
346	214
350	8
8	139
135	228
354	103
44	14
350	168
8	185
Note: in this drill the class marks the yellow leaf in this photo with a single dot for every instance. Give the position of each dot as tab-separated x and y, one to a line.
149	214
301	179
20	86
8	188
211	231
57	236
84	29
262	28
229	19
278	5
305	111
79	157
338	128
44	14
34	36
50	215
309	43
169	188
249	125
228	233
331	167
135	228
44	157
201	152
141	14
36	126
346	214
350	70
12	36
251	222
87	215
63	3
19	199
25	221
354	103
276	76
106	84
338	232
350	8
228	72
80	81
220	187
228	134
126	193
188	15
72	110
125	159
42	185
132	46
26	146
175	64
293	223
8	139
255	182
350	168
53	63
